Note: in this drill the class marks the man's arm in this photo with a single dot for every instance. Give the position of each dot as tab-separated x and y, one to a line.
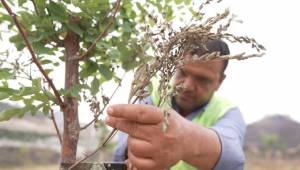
151	148
231	129
202	145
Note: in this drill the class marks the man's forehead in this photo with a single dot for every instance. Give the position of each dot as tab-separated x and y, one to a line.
192	59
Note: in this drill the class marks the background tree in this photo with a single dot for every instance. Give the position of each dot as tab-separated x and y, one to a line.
91	39
272	143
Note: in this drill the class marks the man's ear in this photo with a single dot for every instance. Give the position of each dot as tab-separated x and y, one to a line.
221	79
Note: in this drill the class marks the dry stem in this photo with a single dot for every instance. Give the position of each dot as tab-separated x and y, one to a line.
105	105
55	125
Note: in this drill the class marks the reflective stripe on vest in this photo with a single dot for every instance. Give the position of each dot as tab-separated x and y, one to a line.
214	110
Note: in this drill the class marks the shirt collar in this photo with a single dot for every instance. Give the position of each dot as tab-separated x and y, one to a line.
191	115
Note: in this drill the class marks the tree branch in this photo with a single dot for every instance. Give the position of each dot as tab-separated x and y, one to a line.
105	141
99	113
111	135
102	34
35	8
56	127
34	58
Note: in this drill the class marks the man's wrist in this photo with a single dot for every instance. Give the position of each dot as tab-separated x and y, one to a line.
202	147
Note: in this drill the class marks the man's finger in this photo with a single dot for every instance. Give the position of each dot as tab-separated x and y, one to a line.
140	147
139	162
144	114
134	129
129	165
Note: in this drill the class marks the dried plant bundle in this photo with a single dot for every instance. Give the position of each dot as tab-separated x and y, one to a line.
169	47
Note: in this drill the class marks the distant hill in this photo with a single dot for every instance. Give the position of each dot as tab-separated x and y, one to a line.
286	129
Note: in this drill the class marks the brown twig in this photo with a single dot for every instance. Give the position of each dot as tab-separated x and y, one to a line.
111	134
55	125
102	34
105	104
103	144
35	8
34	58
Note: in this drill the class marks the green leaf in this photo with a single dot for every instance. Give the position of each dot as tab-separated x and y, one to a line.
9	113
57	11
75	28
46	109
41	5
37	84
48	70
177	2
25	91
4	95
142	9
114	53
35	38
41	49
102	44
35	109
28	101
56	64
12	112
44	62
187	2
62	58
126	27
18	41
15	98
74	91
7	90
41	97
5	73
169	13
89	68
49	95
26	109
21	2
95	86
105	71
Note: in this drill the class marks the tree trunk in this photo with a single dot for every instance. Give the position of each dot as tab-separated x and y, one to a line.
71	122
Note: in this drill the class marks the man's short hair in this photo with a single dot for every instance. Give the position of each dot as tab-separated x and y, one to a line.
213	46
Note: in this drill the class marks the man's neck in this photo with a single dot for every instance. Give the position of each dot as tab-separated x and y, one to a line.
183	112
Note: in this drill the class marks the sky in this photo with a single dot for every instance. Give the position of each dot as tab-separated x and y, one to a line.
267	85
259	86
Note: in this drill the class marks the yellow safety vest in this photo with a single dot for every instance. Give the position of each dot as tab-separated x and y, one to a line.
215	109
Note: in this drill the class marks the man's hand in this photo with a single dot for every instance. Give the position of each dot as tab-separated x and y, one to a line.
148	146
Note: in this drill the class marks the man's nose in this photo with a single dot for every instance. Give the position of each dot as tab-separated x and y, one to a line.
188	83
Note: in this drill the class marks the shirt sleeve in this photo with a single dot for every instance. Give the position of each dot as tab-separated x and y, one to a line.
231	129
120	153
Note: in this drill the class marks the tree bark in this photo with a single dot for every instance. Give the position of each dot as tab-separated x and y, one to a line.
71	122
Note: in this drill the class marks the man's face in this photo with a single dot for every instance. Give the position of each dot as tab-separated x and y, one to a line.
198	81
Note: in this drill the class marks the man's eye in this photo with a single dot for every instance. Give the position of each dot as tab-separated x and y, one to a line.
181	72
203	80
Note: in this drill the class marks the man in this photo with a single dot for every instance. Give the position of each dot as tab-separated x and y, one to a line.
205	131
